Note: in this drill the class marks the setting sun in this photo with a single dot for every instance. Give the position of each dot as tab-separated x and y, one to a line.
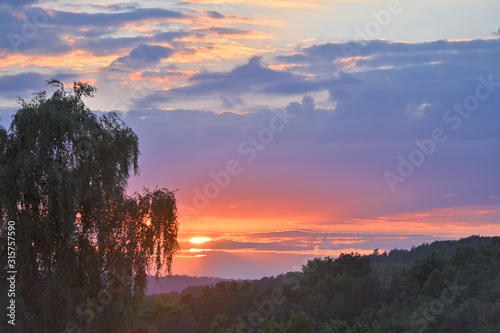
199	240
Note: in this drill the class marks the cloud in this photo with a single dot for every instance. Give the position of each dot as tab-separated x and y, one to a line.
11	85
334	51
102	46
23	84
18	3
141	57
117	7
333	160
106	46
227	31
230	245
252	77
324	67
215	15
48	32
82	19
316	244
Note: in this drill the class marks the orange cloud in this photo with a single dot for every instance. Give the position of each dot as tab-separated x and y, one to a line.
282	67
243	35
255	21
445	222
451	222
169	80
90	81
219	49
10	60
19	15
76	59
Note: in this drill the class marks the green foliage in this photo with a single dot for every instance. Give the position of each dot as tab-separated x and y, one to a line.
436	293
227	298
63	172
218	324
299	322
335	326
270	326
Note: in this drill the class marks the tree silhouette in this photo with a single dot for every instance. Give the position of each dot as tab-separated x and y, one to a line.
63	175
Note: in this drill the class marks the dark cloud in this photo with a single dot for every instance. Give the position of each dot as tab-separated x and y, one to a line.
325	241
22	85
275	246
334	51
106	46
215	15
12	85
166	72
24	36
227	31
252	77
17	3
170	36
92	29
405	71
63	18
245	75
142	56
117	7
102	46
317	242
45	38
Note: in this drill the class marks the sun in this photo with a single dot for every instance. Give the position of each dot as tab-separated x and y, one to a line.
199	240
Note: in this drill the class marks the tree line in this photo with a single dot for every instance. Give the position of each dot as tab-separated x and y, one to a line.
446	286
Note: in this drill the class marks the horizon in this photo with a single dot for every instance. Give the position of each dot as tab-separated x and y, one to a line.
298	268
290	129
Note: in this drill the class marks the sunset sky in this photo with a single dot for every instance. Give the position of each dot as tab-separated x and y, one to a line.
291	129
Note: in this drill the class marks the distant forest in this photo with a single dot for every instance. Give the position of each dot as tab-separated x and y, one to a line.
178	283
445	286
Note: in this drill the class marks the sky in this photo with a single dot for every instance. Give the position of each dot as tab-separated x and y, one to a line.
289	129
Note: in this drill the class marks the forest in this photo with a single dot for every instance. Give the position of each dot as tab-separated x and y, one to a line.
445	286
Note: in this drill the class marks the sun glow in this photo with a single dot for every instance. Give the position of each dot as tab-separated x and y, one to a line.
199	240
200	250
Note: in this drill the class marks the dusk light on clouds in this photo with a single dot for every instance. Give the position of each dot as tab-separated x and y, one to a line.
290	129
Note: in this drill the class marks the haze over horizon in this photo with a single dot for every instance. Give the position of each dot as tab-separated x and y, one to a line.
285	139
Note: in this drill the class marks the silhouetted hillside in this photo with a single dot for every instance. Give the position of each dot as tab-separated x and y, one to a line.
446	247
446	286
177	283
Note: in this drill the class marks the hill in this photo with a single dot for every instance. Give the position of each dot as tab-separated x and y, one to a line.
446	247
446	286
177	283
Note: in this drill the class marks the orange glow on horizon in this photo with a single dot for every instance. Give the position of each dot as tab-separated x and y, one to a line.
199	240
